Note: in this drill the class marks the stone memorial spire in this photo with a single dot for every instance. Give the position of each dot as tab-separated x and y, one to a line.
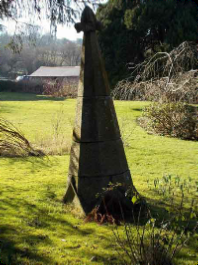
97	154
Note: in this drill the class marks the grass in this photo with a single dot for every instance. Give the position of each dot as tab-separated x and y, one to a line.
35	228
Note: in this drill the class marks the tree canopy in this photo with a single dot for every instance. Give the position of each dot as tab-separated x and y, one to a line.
135	29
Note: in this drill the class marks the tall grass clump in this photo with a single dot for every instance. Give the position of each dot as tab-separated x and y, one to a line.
13	142
57	141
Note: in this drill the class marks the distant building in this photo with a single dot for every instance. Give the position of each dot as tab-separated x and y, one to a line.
57	72
47	79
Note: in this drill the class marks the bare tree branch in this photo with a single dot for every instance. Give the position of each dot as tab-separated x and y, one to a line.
164	76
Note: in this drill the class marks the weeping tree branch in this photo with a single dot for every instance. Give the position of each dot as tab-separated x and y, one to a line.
164	76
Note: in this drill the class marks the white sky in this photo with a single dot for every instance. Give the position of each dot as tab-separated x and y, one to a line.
66	31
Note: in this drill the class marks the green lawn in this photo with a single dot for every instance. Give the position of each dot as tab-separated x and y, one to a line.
35	228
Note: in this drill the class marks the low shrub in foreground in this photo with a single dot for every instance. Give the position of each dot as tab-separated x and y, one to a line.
157	239
174	119
154	243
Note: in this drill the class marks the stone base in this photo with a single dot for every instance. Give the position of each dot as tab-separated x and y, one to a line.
86	192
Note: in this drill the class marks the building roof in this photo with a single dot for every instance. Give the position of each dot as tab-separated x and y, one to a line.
60	71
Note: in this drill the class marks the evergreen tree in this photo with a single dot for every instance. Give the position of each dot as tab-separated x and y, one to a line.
135	28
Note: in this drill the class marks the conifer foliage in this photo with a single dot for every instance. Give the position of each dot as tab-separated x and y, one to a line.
134	30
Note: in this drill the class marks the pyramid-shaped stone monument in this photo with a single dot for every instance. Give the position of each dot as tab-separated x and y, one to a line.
97	154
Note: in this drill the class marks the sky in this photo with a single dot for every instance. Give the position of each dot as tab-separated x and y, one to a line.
66	31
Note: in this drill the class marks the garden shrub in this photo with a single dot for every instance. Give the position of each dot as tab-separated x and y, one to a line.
173	119
60	88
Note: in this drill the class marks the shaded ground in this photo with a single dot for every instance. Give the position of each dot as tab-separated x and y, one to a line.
16	96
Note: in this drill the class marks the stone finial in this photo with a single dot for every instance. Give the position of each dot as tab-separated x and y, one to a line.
88	21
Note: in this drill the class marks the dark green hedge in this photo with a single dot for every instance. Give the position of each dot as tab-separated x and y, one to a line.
6	85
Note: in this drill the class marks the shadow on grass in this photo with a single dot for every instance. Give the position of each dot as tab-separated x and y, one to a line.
137	109
35	225
178	219
12	253
36	163
15	96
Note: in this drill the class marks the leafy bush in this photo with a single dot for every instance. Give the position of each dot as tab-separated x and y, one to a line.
173	119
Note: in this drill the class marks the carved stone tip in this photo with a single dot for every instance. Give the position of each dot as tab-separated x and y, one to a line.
88	16
88	21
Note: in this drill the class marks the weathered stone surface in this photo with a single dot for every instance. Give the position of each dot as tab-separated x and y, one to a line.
72	196
97	159
88	188
98	118
93	77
